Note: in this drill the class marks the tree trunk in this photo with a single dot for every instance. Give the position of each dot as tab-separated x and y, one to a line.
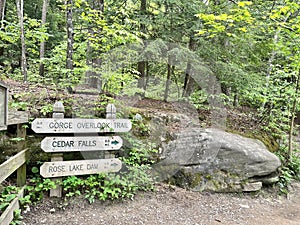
147	76
2	12
89	62
142	65
168	81
93	78
273	54
141	69
292	121
42	46
70	41
20	11
189	81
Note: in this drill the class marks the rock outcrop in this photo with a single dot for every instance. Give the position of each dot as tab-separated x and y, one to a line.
211	159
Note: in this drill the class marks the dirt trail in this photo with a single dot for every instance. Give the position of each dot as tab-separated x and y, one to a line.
172	205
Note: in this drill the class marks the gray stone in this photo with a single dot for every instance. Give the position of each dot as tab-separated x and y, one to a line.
249	187
138	117
52	210
211	159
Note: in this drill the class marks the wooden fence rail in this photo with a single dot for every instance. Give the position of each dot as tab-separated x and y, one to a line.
8	215
15	163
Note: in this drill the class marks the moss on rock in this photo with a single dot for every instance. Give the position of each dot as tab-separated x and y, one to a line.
217	181
268	140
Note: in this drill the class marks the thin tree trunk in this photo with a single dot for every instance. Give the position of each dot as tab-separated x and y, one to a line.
147	76
89	62
96	81
42	46
20	11
2	12
189	82
272	57
292	121
93	78
168	81
141	69
142	65
70	41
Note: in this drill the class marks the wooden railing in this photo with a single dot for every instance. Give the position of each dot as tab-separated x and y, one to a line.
15	163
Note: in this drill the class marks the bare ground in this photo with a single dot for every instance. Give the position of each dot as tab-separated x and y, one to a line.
173	205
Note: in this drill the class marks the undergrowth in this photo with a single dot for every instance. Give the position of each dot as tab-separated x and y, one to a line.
290	169
8	194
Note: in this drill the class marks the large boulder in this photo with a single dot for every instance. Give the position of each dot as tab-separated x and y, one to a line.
211	159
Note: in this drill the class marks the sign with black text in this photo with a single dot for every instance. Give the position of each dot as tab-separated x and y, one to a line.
78	125
79	167
76	144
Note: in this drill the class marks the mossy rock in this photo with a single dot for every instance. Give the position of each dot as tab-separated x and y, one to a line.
217	181
268	140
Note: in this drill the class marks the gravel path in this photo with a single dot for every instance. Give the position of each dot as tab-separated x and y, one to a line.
172	205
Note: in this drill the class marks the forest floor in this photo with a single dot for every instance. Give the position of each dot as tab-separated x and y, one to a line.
173	205
167	204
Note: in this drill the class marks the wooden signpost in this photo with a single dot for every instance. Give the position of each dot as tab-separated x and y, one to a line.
77	144
79	167
59	125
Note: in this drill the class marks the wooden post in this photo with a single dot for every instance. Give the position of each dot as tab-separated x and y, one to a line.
111	111
21	175
21	172
58	113
110	114
21	133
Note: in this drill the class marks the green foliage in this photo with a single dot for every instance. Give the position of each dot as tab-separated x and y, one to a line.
71	186
36	188
22	106
17	217
6	197
139	152
140	129
274	102
290	170
237	20
34	34
109	186
101	103
199	99
8	194
46	109
34	191
119	82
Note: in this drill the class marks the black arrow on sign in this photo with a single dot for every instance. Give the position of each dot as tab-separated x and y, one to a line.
115	142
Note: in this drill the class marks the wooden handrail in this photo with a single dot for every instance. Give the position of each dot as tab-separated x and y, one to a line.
12	164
